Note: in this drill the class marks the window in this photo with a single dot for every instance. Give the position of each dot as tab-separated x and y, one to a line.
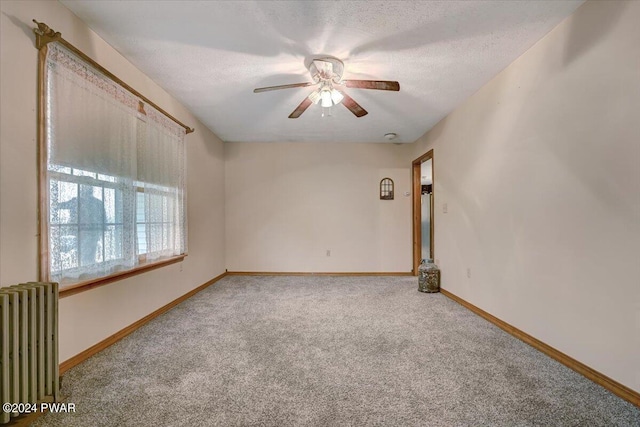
86	223
154	220
114	198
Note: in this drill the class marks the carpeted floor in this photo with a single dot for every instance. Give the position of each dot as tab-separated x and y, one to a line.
328	351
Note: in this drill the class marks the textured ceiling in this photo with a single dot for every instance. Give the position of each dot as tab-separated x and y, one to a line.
212	54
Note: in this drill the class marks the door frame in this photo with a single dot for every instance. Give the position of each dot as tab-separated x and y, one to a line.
417	208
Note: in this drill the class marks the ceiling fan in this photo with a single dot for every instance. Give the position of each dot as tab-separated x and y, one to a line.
326	73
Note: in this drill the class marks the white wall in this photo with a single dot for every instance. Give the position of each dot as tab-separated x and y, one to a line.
288	203
91	316
540	170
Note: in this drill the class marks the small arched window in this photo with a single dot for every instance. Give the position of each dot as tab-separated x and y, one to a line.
386	189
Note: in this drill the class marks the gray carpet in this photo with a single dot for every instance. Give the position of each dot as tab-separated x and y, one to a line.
328	351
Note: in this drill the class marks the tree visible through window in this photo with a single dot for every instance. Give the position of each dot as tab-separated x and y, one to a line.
86	221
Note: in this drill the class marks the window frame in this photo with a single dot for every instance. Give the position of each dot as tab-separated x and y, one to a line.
45	35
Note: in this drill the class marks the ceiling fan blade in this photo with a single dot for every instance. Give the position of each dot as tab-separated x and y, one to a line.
300	108
373	84
268	88
353	106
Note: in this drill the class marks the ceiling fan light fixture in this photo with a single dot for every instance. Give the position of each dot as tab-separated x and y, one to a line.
325	98
314	96
336	96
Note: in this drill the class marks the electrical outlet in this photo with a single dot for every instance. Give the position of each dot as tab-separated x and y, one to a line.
437	262
469	272
180	267
445	208
328	252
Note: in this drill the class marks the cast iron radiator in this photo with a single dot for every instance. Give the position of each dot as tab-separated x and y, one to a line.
29	371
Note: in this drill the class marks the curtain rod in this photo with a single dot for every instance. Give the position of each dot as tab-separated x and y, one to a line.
46	35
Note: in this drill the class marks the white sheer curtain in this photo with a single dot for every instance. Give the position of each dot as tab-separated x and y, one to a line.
161	180
115	173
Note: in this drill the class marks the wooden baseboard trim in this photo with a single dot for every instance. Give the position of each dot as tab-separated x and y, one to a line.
81	357
613	386
298	273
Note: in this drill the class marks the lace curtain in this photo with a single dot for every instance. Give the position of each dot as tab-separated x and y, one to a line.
115	173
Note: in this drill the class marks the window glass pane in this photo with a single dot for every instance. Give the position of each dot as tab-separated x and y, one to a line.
113	242
119	205
55	249
142	238
166	236
170	210
90	246
65	242
91	219
155	238
165	208
141	230
155	208
109	205
140	207
99	248
91	207
64	202
54	210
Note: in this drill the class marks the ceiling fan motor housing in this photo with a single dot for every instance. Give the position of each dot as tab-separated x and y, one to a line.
326	68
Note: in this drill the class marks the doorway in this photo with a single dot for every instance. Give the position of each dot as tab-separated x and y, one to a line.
422	185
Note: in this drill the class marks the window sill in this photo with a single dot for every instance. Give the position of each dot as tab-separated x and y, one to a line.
94	283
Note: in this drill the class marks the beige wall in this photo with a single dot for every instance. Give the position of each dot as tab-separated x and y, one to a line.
540	170
288	203
89	317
